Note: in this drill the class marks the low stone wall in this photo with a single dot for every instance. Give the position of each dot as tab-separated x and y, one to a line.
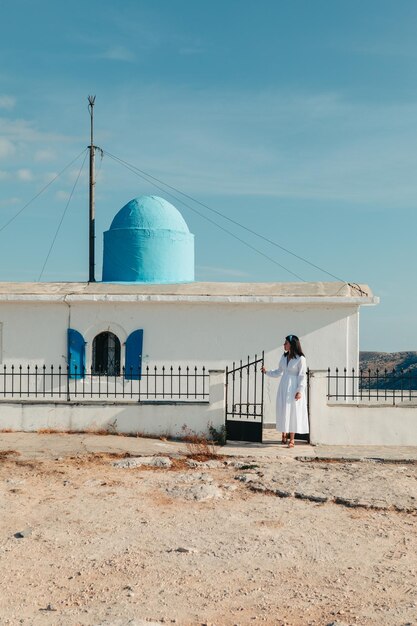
366	423
159	418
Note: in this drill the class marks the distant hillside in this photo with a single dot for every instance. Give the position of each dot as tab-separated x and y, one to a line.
388	361
393	363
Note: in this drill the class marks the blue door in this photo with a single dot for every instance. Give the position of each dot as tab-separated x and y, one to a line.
76	353
133	361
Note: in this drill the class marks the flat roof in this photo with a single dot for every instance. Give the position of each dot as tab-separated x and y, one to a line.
336	292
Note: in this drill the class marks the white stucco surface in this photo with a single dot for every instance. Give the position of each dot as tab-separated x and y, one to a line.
344	423
146	418
334	290
195	324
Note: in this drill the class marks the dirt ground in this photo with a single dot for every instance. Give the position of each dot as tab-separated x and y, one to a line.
236	541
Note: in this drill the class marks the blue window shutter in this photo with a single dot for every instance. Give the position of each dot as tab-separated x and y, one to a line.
133	361
76	354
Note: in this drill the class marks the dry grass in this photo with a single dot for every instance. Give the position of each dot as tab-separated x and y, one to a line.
199	448
6	453
100	431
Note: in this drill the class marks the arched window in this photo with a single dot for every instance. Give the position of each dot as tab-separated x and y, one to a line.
106	354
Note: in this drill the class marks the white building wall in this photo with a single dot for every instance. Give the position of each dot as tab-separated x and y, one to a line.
212	334
376	423
202	334
34	332
146	418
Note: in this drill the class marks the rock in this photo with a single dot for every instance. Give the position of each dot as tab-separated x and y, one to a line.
196	492
246	478
212	464
243	464
311	497
205	478
160	461
258	487
23	533
282	494
49	607
184	550
151	461
229	487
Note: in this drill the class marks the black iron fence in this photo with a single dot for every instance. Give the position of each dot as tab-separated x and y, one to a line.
33	382
378	385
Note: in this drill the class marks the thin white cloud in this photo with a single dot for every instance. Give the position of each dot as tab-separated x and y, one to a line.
44	155
209	270
62	195
25	175
26	131
275	144
6	202
49	176
318	146
7	148
74	174
7	102
118	53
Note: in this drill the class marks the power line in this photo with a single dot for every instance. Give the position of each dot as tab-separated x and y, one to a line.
135	169
150	179
62	217
229	219
41	191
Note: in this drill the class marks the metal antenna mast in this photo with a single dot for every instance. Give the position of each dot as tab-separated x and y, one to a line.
92	227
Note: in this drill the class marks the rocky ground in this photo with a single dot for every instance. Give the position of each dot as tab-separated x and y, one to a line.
109	540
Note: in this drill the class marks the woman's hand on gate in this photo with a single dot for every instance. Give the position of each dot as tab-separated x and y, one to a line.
298	395
263	369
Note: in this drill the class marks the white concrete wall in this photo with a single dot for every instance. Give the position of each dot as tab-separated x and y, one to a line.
202	333
34	333
343	423
147	418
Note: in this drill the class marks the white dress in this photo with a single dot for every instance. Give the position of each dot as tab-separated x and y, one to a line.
291	413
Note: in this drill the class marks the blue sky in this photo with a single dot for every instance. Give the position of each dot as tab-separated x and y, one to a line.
293	117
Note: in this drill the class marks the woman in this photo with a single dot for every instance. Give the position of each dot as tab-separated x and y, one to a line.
291	398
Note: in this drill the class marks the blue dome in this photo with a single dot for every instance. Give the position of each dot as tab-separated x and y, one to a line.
150	213
148	242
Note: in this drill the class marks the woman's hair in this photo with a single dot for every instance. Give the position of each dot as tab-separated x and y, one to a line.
295	346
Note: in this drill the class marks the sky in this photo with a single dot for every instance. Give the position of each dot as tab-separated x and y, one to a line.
294	118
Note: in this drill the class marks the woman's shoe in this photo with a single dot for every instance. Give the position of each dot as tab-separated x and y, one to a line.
284	439
291	444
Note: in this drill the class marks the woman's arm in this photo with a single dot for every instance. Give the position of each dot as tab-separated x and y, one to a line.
278	372
302	376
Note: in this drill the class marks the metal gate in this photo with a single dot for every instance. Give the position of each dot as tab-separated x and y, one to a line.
245	400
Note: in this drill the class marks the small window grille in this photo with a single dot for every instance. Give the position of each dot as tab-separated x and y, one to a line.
106	354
